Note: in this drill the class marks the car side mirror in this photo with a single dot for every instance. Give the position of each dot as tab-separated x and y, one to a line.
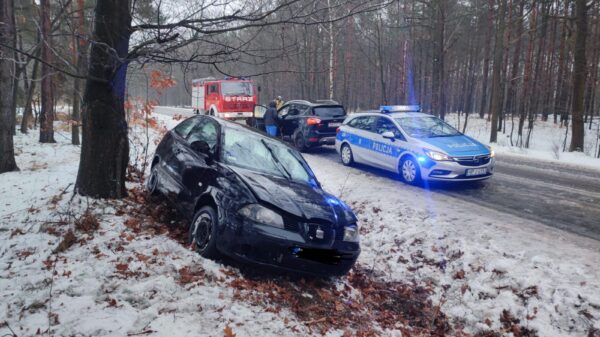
202	147
388	135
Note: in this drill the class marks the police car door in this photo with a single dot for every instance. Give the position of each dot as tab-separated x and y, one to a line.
360	138
386	151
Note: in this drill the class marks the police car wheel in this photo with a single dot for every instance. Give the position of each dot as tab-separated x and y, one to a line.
410	171
346	155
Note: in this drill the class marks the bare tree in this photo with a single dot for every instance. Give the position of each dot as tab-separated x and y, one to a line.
579	76
47	112
7	72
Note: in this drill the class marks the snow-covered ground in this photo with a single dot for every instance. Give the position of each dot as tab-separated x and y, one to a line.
133	276
547	140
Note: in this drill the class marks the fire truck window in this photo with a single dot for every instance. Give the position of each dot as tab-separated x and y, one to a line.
213	89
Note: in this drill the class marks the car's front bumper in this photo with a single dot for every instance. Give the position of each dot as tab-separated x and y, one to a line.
454	171
289	250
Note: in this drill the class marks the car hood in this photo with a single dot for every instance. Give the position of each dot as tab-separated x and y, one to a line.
299	199
460	145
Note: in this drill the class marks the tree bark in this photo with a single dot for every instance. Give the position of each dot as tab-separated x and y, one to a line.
79	46
496	103
579	77
105	146
7	72
47	111
438	101
486	60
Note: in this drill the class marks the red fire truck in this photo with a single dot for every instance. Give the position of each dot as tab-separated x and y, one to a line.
231	98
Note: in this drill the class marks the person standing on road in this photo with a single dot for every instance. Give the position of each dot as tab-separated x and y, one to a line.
279	102
271	119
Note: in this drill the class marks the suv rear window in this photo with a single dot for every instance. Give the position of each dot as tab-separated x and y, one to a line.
329	111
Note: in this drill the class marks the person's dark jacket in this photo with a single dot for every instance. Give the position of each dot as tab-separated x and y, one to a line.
270	117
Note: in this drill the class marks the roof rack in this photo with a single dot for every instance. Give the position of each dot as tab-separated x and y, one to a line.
400	108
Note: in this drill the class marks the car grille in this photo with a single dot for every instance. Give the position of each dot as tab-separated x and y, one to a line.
473	160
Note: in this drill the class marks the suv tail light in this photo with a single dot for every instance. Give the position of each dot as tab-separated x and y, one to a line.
313	121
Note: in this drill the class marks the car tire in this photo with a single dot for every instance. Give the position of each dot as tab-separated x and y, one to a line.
299	142
409	170
346	155
152	182
202	234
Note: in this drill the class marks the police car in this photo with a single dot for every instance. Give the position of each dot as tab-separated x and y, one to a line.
415	145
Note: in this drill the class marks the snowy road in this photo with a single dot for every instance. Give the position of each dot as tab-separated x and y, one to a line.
558	195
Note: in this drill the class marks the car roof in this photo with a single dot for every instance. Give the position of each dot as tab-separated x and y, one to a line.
240	127
314	103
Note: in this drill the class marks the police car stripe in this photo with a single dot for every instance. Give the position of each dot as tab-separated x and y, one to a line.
386	149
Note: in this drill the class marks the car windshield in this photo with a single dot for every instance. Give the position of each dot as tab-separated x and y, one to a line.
426	127
236	88
253	152
329	111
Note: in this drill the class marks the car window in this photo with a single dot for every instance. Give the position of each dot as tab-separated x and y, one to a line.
284	111
363	123
385	124
185	127
206	130
329	111
426	127
258	153
294	111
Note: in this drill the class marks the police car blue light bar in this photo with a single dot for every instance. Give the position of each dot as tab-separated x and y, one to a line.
400	108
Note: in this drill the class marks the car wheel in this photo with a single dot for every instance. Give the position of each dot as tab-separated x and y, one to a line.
346	155
152	183
299	142
410	171
203	232
212	112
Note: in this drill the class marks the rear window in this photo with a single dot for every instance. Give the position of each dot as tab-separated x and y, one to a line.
329	111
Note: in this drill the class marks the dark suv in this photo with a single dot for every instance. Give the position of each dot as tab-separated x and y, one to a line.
308	124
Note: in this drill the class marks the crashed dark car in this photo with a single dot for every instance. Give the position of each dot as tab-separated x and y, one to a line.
253	198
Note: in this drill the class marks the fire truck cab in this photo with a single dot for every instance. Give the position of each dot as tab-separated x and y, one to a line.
229	98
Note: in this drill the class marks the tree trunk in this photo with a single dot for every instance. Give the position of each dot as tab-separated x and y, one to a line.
579	76
79	46
28	109
486	60
7	72
47	111
438	101
496	103
105	146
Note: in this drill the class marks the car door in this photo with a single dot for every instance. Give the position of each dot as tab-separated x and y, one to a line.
359	136
385	152
196	171
169	163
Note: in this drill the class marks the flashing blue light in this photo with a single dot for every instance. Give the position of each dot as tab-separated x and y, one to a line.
421	159
400	108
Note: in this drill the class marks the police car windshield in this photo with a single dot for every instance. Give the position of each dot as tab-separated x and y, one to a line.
426	127
253	152
236	88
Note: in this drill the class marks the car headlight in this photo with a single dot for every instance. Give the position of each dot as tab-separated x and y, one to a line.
351	234
492	153
437	156
261	215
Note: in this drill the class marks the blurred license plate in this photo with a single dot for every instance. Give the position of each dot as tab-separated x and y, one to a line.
334	125
476	172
